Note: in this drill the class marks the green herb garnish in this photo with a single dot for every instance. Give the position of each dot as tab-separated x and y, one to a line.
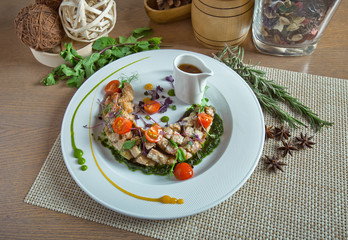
106	50
267	91
173	143
129	144
107	108
204	100
180	155
123	79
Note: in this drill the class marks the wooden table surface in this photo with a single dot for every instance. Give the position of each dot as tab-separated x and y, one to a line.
31	114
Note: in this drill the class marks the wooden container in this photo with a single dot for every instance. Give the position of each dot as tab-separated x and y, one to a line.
216	22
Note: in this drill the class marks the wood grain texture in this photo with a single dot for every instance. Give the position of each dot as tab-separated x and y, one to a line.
31	114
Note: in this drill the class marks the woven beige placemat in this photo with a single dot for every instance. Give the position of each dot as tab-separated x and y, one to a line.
306	201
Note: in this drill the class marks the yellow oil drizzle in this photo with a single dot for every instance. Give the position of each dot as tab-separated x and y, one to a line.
164	199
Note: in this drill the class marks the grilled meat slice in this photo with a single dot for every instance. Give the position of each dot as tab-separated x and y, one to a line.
210	110
177	138
148	145
135	151
187	154
166	146
167	132
190	120
112	136
127	97
159	157
175	127
192	146
189	131
119	144
127	154
143	160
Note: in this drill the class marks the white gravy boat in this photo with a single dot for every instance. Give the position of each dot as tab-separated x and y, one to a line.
189	87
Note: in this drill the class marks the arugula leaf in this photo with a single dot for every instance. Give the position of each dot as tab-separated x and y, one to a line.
130	39
75	81
103	42
105	58
142	32
143	46
129	144
77	75
155	41
118	53
68	71
89	64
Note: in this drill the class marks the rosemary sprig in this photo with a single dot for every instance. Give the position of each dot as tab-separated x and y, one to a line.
267	91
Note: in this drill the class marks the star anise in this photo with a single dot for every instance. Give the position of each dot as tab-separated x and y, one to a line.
274	163
269	132
304	141
287	148
281	133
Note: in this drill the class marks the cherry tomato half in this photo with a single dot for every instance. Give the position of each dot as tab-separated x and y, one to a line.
122	125
151	106
205	120
183	171
112	87
153	134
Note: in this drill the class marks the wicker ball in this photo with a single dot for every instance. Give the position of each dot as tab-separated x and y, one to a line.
38	26
51	3
87	20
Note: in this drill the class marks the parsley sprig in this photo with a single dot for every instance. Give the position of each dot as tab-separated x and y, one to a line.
77	69
267	91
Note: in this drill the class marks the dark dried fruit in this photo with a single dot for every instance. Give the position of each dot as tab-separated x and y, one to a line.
293	21
167	4
274	163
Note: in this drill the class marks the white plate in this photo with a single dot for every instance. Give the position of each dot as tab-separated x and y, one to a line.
215	179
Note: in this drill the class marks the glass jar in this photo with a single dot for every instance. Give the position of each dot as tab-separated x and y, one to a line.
290	27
